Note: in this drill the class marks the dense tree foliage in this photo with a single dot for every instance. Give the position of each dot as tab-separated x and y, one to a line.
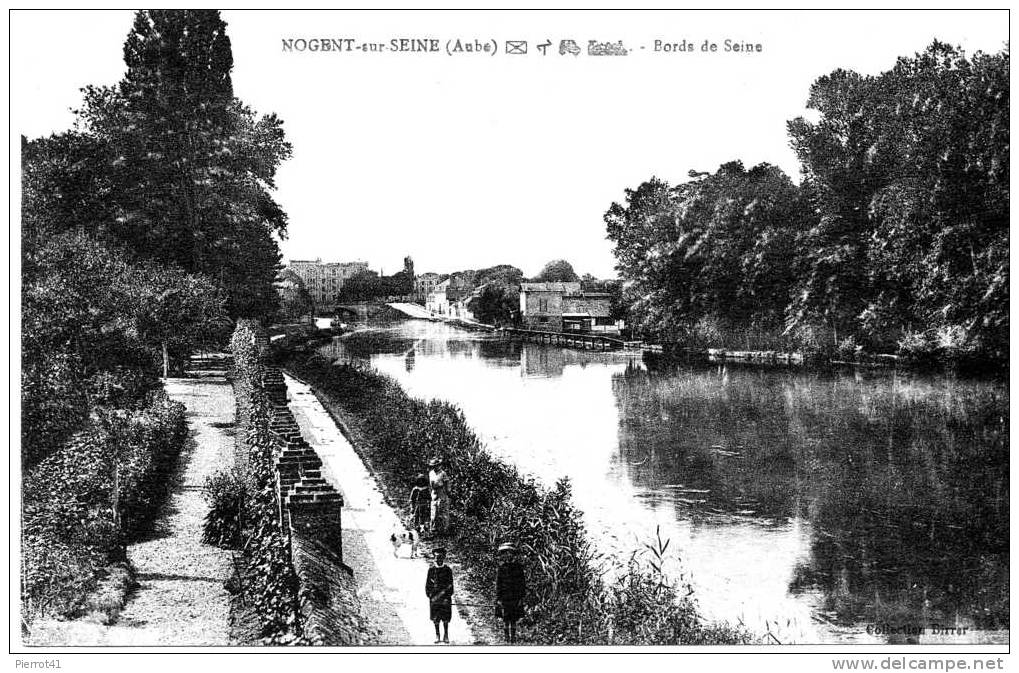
496	304
720	245
505	274
897	236
144	228
169	165
909	175
370	286
295	302
498	301
95	330
557	271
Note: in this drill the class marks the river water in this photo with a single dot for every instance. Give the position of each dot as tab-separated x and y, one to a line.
818	507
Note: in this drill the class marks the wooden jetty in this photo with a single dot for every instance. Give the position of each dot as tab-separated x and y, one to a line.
725	355
579	340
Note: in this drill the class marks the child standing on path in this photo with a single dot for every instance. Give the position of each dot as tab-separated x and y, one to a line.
439	589
510	589
420	502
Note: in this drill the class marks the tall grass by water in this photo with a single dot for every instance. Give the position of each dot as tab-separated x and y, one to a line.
569	600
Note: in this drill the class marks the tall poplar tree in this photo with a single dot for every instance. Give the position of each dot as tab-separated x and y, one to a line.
191	167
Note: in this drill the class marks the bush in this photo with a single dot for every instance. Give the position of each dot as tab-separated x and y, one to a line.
946	344
848	349
954	343
494	503
916	345
54	404
226	494
813	340
708	332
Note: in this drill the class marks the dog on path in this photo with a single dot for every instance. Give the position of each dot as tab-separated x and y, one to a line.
404	538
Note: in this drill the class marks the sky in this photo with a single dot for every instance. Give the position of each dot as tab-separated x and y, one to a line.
473	159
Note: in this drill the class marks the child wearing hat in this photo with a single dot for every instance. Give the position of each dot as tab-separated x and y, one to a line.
510	589
439	589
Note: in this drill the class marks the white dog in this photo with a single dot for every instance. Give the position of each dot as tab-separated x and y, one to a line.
404	538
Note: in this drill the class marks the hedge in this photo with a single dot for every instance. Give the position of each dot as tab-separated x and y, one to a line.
70	531
269	583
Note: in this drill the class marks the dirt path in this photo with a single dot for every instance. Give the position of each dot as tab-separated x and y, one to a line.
391	588
181	599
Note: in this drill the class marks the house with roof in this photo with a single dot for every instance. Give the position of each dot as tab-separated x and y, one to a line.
424	284
565	307
436	300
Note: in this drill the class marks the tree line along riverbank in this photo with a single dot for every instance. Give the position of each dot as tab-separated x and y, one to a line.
569	602
895	240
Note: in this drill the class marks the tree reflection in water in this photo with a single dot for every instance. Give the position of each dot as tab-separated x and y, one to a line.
903	479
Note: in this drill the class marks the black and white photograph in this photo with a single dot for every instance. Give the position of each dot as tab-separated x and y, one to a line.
443	332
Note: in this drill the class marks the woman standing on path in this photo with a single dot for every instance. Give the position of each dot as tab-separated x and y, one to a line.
439	484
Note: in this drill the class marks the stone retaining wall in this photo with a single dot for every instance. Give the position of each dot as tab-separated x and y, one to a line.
310	512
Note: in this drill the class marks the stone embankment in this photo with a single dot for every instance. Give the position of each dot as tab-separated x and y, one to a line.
389	581
311	515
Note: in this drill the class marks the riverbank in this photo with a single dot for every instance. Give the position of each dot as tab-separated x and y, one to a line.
389	583
569	601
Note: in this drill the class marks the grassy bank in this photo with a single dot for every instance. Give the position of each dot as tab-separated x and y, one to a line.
569	601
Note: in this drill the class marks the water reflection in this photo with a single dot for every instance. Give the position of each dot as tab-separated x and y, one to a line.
903	480
812	505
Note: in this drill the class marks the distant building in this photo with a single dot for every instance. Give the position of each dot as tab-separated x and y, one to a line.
424	285
458	288
323	280
564	307
450	297
436	301
460	308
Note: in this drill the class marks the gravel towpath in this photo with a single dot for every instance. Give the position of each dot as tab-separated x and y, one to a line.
391	587
181	599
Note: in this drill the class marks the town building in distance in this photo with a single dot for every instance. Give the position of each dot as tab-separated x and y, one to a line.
323	280
452	297
565	307
424	284
436	301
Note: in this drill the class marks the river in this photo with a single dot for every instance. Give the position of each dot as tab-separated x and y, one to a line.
820	507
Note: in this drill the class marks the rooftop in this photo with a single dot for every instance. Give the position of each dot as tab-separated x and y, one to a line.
566	288
321	263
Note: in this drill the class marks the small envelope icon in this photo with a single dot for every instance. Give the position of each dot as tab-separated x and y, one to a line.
516	46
